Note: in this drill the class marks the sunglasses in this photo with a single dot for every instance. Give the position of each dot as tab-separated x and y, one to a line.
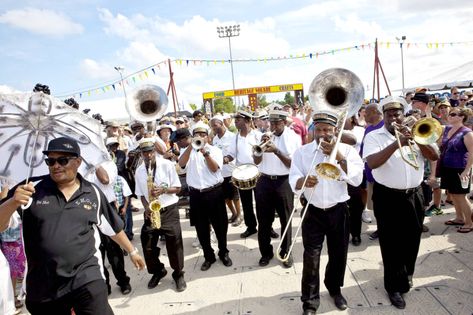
63	160
456	93
454	114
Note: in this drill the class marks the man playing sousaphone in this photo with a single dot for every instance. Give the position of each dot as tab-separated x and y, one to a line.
398	170
327	212
166	185
273	193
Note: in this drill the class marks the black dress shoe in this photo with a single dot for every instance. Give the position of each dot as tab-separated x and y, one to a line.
309	312
247	233
397	300
273	234
340	301
180	284
156	278
206	265
289	262
264	261
126	289
227	262
356	240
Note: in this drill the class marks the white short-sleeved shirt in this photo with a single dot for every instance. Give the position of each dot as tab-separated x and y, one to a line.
326	193
288	142
241	149
394	173
224	144
112	172
165	174
198	175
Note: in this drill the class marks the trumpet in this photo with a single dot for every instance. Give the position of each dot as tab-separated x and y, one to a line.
259	149
197	143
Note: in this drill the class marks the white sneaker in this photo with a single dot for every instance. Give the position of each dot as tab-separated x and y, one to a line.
213	238
196	243
365	216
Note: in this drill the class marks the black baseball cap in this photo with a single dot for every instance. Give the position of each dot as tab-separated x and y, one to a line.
180	134
63	144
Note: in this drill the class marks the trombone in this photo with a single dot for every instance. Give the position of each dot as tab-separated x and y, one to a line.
425	131
341	92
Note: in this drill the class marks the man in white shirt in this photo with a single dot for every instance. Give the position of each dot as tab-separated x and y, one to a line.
327	212
223	139
166	185
273	193
397	197
240	151
104	177
207	204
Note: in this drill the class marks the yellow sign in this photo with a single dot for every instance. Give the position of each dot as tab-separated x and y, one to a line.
253	90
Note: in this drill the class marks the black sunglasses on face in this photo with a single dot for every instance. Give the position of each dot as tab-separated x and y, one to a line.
453	114
63	160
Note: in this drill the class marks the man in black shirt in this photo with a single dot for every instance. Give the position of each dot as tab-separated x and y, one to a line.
60	234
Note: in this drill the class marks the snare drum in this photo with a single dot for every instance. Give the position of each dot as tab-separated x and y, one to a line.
245	176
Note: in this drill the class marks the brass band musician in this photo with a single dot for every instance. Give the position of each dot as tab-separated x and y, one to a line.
166	186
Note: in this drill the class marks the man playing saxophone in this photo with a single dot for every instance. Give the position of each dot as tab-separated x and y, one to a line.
157	184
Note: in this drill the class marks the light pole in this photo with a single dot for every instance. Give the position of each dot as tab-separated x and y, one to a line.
229	32
401	44
120	70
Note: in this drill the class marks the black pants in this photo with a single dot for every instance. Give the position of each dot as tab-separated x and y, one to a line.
318	223
246	197
171	228
399	217
209	208
273	195
355	209
115	258
91	298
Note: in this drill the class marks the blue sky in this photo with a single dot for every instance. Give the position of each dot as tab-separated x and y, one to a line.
74	45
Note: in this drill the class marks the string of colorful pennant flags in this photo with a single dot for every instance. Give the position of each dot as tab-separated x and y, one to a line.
144	73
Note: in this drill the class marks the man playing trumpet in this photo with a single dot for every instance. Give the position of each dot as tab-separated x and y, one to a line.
398	170
273	193
327	212
165	186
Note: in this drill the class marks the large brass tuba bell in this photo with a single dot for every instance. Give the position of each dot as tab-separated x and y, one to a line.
341	92
147	103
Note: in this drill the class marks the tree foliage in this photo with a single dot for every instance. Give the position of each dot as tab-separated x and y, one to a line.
224	105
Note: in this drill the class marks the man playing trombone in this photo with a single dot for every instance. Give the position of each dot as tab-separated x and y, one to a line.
327	211
398	170
272	192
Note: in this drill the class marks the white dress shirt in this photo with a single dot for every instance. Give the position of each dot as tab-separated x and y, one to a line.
394	173
224	144
112	172
165	174
198	175
327	193
241	148
288	142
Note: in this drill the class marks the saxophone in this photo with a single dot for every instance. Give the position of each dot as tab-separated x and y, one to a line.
154	205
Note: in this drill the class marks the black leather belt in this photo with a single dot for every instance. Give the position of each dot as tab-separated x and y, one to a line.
205	189
274	177
407	191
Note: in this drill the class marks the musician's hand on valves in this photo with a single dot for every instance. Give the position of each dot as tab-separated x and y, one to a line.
311	181
271	148
23	194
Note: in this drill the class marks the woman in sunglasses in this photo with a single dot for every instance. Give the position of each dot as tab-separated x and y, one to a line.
455	161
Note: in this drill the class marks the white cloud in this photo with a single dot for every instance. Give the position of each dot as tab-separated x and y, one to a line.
41	21
97	70
5	89
352	24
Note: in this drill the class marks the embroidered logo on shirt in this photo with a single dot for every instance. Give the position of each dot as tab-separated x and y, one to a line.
86	203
